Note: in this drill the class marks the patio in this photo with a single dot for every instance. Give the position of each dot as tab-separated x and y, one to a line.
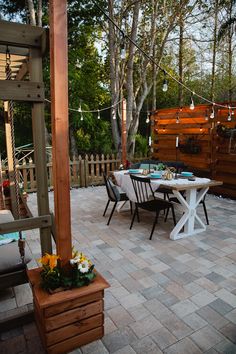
165	296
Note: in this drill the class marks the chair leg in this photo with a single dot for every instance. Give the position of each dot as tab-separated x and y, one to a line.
135	212
167	212
173	214
138	218
113	209
154	225
205	212
106	207
131	207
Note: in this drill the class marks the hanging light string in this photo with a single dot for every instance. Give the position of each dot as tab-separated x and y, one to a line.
80	110
157	65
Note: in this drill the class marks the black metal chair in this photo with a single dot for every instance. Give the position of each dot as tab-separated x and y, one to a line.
143	190
115	195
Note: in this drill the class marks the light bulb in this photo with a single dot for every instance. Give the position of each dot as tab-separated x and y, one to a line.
123	53
81	118
229	117
165	85
177	120
147	120
212	115
113	114
192	104
200	129
99	114
80	110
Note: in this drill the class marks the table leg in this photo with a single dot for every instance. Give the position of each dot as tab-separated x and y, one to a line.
189	217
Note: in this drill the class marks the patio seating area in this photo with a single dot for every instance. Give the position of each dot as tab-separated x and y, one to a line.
165	297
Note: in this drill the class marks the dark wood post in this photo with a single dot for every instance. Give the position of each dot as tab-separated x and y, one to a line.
60	126
38	126
124	133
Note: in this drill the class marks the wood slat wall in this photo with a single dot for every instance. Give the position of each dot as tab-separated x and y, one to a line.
214	160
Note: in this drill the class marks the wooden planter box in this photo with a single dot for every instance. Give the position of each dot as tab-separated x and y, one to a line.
71	318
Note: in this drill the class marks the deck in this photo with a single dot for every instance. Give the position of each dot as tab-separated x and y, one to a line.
165	296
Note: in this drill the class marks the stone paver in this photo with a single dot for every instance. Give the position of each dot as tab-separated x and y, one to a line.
165	297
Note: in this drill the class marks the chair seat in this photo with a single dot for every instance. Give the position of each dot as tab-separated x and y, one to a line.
123	197
155	204
10	260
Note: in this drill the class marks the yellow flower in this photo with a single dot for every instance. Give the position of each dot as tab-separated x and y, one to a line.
49	260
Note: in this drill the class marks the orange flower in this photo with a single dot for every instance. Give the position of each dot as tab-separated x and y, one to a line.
53	261
49	260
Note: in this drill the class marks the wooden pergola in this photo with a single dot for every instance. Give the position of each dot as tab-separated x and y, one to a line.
27	45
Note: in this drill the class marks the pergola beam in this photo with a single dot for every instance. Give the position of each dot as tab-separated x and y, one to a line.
21	91
20	35
23	71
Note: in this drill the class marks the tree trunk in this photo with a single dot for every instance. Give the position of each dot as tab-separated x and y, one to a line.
154	79
40	13
230	53
212	97
73	145
32	13
114	82
181	47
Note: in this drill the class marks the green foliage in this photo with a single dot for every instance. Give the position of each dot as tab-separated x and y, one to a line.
141	145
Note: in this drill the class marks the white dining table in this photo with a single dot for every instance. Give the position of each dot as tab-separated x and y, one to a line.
194	191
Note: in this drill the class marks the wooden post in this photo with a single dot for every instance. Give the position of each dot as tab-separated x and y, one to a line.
124	133
38	127
10	158
60	126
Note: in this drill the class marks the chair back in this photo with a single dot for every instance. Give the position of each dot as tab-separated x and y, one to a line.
142	188
112	191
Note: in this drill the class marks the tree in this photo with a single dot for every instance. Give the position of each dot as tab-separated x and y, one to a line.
134	77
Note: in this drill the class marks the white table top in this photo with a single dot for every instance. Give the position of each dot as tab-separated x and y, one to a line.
124	181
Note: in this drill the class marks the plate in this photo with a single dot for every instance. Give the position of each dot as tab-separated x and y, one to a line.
155	175
186	174
134	171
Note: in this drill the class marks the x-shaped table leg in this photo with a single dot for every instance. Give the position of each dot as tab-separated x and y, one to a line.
189	218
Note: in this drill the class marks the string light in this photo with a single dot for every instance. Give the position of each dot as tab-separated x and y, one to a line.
82	117
212	115
122	45
200	128
164	129
165	83
99	114
206	115
229	115
177	118
148	119
192	103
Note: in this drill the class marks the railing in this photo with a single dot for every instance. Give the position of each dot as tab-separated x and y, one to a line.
84	171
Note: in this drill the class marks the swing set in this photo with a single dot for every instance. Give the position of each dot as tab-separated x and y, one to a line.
21	50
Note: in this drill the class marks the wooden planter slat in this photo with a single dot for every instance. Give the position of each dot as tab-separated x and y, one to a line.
71	318
74	315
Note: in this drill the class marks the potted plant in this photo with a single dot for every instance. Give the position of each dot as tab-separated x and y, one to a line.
54	278
68	302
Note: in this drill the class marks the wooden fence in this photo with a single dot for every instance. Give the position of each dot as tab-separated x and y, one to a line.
201	146
84	171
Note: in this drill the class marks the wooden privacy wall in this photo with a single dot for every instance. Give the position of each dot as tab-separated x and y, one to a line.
199	145
224	154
